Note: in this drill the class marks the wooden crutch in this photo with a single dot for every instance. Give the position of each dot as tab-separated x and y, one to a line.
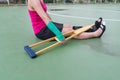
34	54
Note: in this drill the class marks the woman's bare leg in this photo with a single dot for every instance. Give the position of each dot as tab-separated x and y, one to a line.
87	35
84	35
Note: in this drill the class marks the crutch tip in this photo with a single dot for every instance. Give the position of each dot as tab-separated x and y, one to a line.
30	52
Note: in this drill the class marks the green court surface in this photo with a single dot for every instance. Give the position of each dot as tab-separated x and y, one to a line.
92	59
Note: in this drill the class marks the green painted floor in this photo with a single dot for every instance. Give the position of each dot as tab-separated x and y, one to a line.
92	59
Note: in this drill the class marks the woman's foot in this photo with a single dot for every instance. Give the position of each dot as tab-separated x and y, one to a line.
97	24
103	27
99	32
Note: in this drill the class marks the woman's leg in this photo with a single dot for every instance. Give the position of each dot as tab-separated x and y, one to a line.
84	35
87	35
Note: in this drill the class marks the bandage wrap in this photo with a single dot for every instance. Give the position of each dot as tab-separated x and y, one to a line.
56	31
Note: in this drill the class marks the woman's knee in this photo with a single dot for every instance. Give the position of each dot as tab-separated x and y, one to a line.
66	28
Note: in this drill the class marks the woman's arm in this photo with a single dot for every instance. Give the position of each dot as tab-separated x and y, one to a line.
38	8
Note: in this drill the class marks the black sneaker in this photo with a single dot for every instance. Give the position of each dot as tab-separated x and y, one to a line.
77	27
97	24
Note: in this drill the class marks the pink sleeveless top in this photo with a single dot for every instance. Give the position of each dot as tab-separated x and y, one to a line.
37	22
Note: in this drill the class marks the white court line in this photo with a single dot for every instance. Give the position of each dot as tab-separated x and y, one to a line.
86	18
106	10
